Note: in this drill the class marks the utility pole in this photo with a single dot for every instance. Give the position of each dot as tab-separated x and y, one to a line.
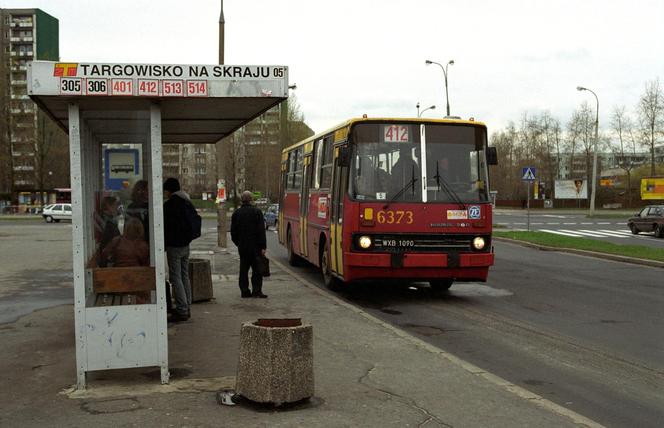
222	228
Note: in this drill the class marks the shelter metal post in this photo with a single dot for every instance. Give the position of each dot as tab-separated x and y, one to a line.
158	248
78	241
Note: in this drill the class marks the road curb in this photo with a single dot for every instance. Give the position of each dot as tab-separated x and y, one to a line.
612	257
510	387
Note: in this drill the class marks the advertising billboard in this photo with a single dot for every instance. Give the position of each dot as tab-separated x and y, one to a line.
652	188
571	189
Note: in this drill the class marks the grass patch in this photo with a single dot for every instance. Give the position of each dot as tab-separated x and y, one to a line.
558	241
21	217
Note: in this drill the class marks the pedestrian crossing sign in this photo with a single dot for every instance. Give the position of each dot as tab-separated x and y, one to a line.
528	173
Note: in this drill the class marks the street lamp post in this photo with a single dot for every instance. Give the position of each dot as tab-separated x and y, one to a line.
444	68
594	184
420	113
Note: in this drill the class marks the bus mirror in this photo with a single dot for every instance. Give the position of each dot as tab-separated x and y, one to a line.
344	156
491	156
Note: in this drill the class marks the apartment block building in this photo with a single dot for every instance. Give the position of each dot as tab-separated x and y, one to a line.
29	141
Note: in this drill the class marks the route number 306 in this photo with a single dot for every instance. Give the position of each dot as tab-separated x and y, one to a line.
394	217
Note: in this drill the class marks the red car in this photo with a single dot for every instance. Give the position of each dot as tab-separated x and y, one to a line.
649	219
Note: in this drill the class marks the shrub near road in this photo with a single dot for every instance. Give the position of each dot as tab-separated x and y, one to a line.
556	241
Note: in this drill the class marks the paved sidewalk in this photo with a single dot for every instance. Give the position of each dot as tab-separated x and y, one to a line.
366	372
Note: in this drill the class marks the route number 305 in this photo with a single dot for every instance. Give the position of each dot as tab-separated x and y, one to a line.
394	217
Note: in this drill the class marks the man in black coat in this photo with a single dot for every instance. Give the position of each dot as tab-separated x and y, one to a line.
177	237
248	234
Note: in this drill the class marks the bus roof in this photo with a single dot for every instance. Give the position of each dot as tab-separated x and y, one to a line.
353	121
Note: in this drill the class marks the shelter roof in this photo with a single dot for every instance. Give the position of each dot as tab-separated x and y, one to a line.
200	104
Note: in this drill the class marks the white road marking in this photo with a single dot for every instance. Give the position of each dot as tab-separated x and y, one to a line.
609	234
594	235
553	223
569	223
622	232
557	232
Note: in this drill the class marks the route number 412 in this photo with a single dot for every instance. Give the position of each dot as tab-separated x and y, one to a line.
396	134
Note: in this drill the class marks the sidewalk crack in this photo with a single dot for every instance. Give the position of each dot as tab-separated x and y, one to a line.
364	380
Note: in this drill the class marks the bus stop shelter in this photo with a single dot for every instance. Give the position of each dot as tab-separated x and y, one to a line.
120	313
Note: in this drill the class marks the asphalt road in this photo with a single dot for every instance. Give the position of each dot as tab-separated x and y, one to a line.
36	267
585	333
611	229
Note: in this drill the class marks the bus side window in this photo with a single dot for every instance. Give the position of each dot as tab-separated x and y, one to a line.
318	153
326	163
290	164
299	163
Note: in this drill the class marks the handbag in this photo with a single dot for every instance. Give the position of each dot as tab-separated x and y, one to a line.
263	264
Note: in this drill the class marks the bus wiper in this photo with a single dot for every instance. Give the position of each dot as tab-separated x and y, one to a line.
440	181
411	182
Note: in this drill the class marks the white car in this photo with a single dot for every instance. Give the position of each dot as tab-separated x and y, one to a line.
57	212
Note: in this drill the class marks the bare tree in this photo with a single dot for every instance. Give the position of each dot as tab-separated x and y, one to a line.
574	131
651	118
625	152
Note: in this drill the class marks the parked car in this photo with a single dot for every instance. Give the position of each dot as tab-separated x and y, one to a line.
271	216
57	212
649	219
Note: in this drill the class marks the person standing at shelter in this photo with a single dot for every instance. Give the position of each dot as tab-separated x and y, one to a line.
248	234
177	236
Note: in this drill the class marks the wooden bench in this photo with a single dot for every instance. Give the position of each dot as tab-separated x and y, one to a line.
123	285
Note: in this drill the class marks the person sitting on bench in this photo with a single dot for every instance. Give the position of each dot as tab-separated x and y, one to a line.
130	249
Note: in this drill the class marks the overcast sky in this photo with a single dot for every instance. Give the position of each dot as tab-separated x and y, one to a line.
349	58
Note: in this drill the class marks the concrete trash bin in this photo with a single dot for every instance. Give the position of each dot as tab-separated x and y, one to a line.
200	277
275	363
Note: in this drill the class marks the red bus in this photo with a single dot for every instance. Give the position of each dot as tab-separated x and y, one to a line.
403	199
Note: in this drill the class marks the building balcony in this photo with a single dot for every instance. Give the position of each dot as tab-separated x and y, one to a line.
20	97
19	82
19	68
24	168
25	24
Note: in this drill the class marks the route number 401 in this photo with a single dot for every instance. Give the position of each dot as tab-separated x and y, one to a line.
396	134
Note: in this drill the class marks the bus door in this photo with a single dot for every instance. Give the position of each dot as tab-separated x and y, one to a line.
340	184
304	206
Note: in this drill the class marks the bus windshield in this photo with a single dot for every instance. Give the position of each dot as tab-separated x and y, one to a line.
387	163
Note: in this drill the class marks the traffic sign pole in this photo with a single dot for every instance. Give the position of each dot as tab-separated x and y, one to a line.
528	208
528	174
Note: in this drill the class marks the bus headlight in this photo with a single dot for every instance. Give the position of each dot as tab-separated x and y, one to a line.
364	241
478	243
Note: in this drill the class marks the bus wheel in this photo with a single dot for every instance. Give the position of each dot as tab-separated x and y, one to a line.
441	284
328	279
293	260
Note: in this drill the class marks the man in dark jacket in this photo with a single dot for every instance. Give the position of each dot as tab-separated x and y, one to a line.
248	234
177	236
